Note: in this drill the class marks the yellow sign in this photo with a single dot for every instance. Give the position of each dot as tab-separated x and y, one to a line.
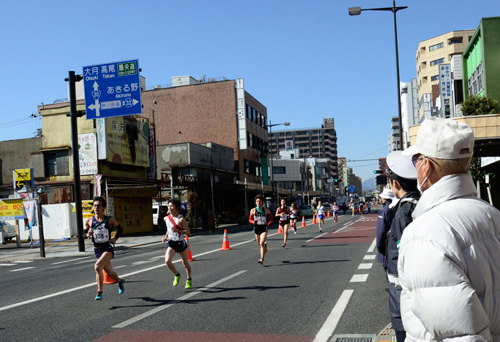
11	209
87	208
21	177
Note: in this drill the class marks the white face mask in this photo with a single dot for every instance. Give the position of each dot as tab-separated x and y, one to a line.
419	186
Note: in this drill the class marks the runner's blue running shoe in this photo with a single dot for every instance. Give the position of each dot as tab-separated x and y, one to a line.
121	288
99	296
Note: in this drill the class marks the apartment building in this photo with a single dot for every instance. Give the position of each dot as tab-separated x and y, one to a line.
394	138
430	54
311	142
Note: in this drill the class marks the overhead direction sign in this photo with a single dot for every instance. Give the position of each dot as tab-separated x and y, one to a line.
112	89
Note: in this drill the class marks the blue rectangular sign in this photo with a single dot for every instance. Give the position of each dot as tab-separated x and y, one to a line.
351	188
112	89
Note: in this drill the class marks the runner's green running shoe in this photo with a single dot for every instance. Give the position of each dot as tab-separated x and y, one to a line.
176	279
188	283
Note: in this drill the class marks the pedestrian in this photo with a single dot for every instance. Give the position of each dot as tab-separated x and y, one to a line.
335	209
353	205
385	216
177	229
361	205
162	227
320	215
344	207
293	217
261	218
403	183
448	257
104	231
284	214
369	206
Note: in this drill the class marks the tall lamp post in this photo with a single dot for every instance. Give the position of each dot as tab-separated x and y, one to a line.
393	9
271	145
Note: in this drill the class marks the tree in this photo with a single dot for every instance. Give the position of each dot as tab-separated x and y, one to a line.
478	105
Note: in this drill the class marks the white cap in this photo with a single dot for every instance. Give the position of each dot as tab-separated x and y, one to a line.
401	165
443	139
387	194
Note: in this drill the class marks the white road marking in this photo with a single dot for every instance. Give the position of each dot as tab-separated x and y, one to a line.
365	266
23	261
369	257
66	261
359	278
176	301
7	264
333	319
372	246
21	269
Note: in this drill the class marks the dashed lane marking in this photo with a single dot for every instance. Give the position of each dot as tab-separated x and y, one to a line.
359	278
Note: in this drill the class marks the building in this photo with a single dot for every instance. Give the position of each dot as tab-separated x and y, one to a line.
409	108
394	138
481	67
431	53
311	143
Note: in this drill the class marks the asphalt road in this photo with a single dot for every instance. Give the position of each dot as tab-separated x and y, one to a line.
318	287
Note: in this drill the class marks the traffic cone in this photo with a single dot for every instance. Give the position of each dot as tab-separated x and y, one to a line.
107	279
314	219
280	231
225	242
328	215
190	256
303	222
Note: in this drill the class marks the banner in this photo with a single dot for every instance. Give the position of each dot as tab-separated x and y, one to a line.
30	214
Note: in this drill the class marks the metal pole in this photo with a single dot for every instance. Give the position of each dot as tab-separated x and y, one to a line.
271	150
76	160
394	10
40	224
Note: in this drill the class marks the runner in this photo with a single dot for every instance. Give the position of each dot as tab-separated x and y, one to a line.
102	230
293	217
261	218
335	212
284	213
320	215
177	227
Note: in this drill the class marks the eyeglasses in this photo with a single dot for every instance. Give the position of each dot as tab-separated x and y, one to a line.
97	205
417	157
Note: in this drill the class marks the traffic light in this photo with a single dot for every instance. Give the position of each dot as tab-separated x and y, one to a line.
336	180
378	171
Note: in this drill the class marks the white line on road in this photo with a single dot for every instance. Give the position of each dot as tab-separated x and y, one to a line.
7	264
333	319
66	261
359	278
176	301
22	269
369	257
372	246
365	266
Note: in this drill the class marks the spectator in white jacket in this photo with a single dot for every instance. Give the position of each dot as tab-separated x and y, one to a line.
449	256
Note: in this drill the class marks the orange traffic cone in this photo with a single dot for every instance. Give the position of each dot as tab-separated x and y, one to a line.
303	222
280	231
190	256
328	215
314	219
108	279
225	242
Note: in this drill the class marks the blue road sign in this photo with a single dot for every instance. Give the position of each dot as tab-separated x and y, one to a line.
351	188
112	89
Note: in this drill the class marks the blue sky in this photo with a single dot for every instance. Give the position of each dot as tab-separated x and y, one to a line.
304	60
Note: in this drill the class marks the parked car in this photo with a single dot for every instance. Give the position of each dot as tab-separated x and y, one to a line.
8	231
306	211
327	206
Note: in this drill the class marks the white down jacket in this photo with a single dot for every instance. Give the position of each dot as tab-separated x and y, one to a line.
449	265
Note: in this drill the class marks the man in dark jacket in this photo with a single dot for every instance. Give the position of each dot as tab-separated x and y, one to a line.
385	216
403	182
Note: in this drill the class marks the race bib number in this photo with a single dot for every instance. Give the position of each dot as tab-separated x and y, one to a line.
101	235
260	220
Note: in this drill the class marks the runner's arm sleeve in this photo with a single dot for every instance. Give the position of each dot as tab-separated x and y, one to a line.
251	219
119	231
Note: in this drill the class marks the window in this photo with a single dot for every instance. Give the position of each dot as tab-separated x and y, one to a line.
435	78
437	61
455	41
56	163
436	46
279	170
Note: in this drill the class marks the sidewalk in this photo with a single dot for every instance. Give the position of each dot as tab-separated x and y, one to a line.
69	248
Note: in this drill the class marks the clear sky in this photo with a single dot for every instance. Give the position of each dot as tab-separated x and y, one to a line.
303	59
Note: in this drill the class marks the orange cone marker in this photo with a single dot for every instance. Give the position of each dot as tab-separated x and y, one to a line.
328	215
280	231
303	222
190	256
107	279
314	219
225	242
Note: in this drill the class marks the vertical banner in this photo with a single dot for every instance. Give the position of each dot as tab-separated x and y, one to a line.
30	214
97	185
445	90
102	147
242	121
87	151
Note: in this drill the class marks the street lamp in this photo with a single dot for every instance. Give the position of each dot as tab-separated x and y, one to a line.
393	9
271	150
